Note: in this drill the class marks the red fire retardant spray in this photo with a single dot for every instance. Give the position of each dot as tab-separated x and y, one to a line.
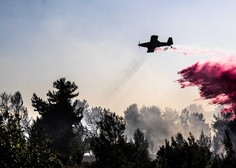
216	81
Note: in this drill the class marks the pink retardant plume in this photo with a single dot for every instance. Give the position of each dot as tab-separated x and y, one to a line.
216	81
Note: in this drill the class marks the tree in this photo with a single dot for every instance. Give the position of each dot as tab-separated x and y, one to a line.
224	139
193	122
157	125
219	126
19	145
228	158
132	118
223	126
60	118
13	143
185	153
107	146
141	153
111	148
39	152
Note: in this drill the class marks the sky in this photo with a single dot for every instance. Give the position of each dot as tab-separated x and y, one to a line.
94	44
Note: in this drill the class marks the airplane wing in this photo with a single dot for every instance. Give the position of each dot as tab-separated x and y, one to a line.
153	38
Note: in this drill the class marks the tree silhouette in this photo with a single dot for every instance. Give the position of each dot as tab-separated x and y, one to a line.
107	145
141	153
12	140
111	148
182	153
60	118
20	144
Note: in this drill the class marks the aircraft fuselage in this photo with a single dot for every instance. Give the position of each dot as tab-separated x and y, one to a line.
154	43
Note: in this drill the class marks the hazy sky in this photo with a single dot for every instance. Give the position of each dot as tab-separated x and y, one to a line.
94	43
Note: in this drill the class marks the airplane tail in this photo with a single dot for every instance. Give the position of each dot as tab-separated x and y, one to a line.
170	41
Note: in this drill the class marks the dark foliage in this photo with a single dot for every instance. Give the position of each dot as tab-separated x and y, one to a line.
181	153
57	138
60	118
20	145
111	148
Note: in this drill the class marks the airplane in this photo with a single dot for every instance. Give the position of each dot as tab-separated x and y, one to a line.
154	43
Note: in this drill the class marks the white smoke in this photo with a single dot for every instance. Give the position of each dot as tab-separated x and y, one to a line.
159	125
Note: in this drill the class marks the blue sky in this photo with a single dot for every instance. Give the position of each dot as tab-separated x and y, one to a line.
94	43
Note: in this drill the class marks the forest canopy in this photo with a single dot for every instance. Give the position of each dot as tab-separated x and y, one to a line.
67	128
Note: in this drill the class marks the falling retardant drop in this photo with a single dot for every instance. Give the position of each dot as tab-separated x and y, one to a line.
216	81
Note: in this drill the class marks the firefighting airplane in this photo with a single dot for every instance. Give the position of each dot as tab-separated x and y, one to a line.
154	43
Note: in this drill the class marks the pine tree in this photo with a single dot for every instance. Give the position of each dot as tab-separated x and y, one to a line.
60	119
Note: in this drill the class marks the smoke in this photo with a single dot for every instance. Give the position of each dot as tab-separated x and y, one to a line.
193	108
216	81
159	125
151	122
124	77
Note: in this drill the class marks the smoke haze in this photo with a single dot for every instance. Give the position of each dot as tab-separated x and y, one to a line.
159	125
124	77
